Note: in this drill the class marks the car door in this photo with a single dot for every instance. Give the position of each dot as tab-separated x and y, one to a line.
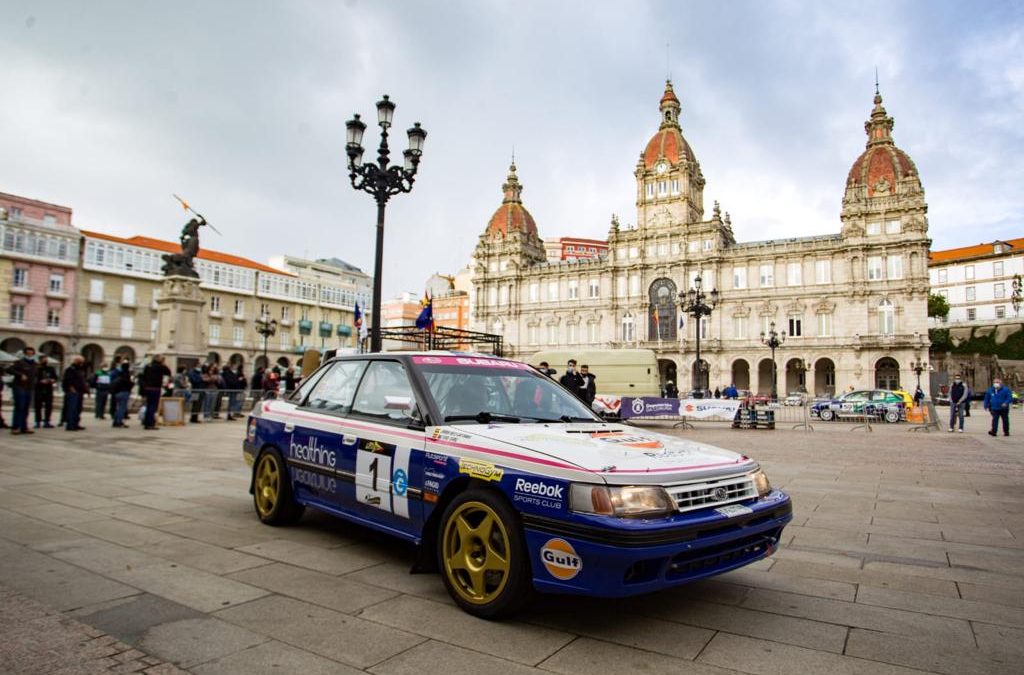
385	415
316	446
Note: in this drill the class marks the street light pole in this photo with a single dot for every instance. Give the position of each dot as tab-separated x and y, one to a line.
266	327
919	366
382	181
692	302
773	341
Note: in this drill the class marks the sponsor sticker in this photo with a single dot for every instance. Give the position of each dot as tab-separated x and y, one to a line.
399	482
431	485
627	440
312	451
560	559
431	472
348	440
436	434
479	469
440	460
733	510
538	493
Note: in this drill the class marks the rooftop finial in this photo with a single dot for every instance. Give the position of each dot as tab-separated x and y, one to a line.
876	80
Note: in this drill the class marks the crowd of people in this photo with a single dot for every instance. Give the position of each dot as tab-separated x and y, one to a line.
206	390
582	382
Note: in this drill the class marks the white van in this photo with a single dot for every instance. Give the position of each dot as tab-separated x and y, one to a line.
617	372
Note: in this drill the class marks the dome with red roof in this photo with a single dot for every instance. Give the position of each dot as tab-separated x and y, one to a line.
668	143
511	216
882	165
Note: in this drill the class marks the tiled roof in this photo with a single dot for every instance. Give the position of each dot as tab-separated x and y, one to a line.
977	251
670	144
171	247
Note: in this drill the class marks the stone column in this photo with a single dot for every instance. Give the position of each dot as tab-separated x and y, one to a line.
181	322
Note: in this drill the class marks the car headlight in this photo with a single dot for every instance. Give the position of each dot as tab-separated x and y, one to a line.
761	483
629	501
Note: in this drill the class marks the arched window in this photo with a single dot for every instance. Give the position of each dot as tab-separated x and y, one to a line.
886	318
628	328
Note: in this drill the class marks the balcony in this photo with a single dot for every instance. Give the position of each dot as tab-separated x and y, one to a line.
305	327
97	300
57	294
284	322
22	290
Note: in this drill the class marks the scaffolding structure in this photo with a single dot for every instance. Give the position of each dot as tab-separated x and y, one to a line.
445	338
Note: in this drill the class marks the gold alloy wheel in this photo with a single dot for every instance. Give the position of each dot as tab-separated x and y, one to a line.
476	553
268	483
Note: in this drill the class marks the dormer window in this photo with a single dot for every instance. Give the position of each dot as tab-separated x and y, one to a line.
998	248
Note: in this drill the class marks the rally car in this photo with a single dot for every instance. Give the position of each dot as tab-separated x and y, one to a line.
875	403
506	481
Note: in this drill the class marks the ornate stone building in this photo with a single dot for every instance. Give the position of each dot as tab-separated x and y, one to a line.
853	304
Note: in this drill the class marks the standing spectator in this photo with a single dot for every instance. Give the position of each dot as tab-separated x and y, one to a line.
918	396
198	387
180	384
571	380
957	402
210	378
234	383
588	391
23	383
46	377
997	401
545	369
115	368
74	386
272	382
290	379
3	383
101	384
121	391
152	383
730	392
718	393
671	391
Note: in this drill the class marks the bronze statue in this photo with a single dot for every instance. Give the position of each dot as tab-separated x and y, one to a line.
180	264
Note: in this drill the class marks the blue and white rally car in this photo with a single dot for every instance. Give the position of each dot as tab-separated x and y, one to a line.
506	480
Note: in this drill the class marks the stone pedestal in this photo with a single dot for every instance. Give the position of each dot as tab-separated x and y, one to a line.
181	322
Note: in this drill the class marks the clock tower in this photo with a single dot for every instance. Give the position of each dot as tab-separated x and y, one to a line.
669	182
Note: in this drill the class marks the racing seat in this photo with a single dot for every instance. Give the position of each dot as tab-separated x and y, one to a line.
464	400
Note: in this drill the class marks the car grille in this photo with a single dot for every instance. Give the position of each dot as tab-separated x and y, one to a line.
716	492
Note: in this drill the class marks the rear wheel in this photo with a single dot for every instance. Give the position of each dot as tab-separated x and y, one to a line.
272	490
826	415
482	555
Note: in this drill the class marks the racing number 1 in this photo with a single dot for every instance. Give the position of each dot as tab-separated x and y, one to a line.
382	481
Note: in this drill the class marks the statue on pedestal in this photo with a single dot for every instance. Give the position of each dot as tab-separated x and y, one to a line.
180	264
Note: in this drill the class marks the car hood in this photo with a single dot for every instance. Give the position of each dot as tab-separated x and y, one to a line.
620	454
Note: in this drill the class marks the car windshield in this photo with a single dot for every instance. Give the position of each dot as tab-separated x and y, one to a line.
492	390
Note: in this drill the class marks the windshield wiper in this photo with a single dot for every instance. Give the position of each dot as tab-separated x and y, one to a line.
483	417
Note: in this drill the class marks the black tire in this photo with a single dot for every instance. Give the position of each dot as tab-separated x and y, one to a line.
495	593
892	416
272	490
826	415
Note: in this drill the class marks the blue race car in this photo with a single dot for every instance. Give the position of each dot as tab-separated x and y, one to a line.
506	481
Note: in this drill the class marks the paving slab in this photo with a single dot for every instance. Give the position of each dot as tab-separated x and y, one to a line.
929	655
189	642
273	658
586	656
436	657
342	594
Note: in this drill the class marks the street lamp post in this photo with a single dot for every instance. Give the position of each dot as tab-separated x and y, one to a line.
692	302
381	181
266	327
919	366
773	341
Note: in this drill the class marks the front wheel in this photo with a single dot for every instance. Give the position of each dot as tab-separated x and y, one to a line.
826	415
272	490
482	555
892	416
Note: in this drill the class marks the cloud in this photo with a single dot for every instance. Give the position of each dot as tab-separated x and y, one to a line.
113	105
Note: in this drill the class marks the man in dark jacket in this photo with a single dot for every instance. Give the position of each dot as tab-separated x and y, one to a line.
588	391
121	391
46	378
75	387
571	380
23	384
152	383
100	383
997	401
671	391
957	402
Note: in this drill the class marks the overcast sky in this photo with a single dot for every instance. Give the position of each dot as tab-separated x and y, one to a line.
110	106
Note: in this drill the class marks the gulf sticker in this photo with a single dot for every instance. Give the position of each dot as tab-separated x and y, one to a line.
482	470
629	441
560	559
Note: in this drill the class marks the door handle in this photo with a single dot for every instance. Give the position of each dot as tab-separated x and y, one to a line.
289	427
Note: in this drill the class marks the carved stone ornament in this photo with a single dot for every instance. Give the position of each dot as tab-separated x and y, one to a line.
741	310
795	308
882	187
824	307
767	308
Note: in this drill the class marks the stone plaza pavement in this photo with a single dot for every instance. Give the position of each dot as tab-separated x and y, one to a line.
906	554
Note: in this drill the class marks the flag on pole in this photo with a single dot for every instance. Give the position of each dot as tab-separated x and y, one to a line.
361	329
425	320
657	321
680	322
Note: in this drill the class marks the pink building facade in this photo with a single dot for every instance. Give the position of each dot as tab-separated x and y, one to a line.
39	251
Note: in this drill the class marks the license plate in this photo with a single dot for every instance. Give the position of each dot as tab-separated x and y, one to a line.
733	510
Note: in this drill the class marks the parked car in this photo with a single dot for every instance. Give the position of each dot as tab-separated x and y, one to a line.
942	399
877	403
908	398
795	398
506	482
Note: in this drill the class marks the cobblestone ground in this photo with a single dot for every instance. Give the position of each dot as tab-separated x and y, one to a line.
906	554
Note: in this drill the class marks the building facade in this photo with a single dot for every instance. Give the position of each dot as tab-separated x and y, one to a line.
574	248
38	276
978	281
853	303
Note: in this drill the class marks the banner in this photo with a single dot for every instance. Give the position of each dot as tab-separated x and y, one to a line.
694	408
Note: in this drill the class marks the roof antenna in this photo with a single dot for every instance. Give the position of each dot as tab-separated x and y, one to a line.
876	80
668	68
513	153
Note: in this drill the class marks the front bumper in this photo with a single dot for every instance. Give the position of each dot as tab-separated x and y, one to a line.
649	556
